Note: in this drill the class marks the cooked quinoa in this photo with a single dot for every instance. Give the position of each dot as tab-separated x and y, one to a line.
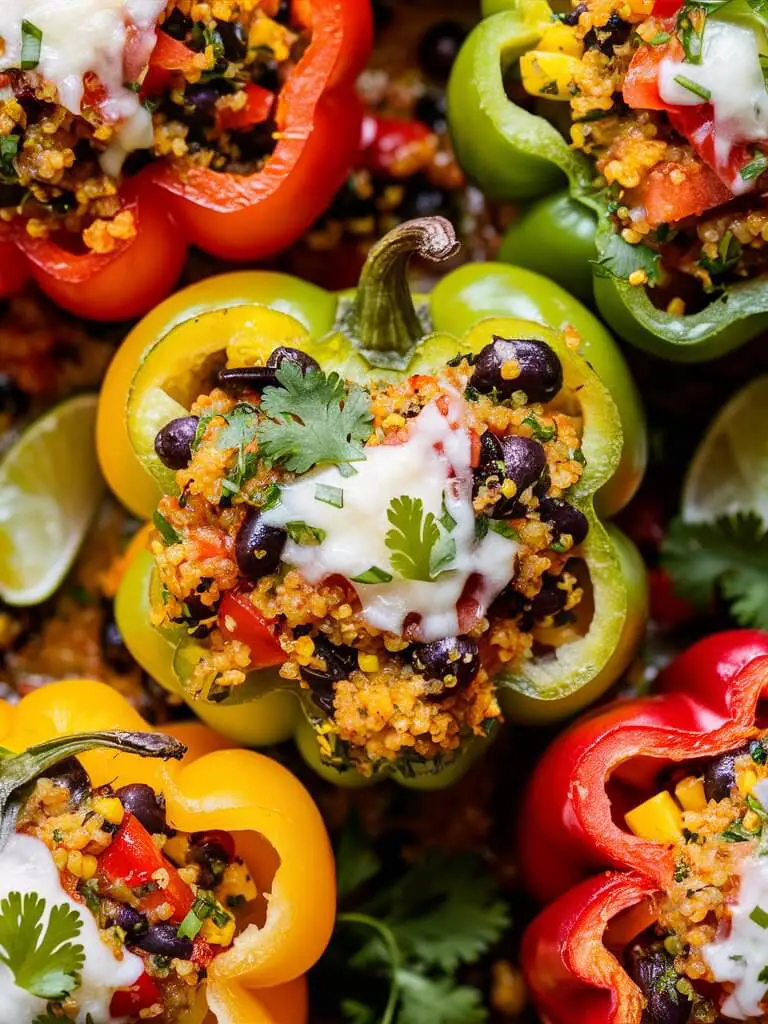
217	110
374	694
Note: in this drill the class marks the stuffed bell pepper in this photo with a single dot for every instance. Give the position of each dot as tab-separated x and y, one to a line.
671	791
366	507
130	130
141	890
655	115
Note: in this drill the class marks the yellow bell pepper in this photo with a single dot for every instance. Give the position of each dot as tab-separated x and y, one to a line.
550	75
277	829
659	819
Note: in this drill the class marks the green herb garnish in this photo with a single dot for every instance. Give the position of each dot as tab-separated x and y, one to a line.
31	45
373	575
9	148
694	87
503	529
45	963
421	546
754	168
660	38
759	916
621	258
166	531
301	533
333	496
540	433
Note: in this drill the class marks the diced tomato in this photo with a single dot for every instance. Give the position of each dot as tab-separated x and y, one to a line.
239	619
94	92
202	953
474	459
697	125
211	543
168	55
129	1002
641	82
132	858
395	146
667	199
666	8
258	107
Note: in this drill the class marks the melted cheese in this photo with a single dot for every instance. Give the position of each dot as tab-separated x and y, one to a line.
730	71
740	956
26	866
434	465
89	35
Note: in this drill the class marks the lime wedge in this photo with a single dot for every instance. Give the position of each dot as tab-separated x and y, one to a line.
729	472
50	488
148	415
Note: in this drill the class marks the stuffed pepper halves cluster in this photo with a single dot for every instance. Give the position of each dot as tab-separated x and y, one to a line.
396	525
655	115
672	791
138	890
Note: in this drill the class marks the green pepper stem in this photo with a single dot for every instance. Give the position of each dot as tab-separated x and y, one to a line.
20	770
384	316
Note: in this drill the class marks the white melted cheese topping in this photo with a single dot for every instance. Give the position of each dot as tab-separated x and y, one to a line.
434	462
26	865
730	71
88	35
740	956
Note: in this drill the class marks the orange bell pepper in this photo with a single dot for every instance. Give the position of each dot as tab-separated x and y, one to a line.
277	830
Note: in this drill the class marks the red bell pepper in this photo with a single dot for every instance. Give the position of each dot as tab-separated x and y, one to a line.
240	619
606	763
129	1002
318	118
132	858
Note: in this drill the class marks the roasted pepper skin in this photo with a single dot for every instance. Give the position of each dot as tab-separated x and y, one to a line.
260	979
351	334
516	155
235	217
599	768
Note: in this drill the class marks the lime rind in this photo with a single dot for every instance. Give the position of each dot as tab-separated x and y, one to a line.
50	488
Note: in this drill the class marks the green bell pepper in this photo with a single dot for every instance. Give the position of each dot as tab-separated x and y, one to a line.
513	154
382	329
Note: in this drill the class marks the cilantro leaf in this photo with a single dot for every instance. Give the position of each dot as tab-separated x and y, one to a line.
620	259
239	431
48	967
313	419
438	1001
421	547
729	556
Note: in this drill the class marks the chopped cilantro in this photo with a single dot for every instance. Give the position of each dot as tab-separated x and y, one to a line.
31	45
271	498
621	258
694	87
690	30
166	531
757	752
44	963
301	533
737	833
503	530
754	168
421	546
728	557
313	420
540	433
9	148
660	38
681	870
759	916
329	495
373	575
763	976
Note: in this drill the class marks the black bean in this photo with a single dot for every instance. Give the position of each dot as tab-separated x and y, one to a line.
720	775
248	378
572	17
564	519
454	661
177	25
258	142
173	443
423	199
519	459
113	648
234	38
162	940
340	662
266	73
653	971
550	599
13	401
131	921
439	47
144	804
212	851
432	110
540	376
71	774
200	104
293	355
614	33
284	12
258	546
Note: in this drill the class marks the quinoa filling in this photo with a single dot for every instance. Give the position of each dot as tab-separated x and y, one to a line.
172	900
672	111
386	549
204	79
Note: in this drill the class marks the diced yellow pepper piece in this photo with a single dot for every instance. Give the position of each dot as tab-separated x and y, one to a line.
559	38
690	794
638	8
658	819
746	781
218	935
551	75
367	662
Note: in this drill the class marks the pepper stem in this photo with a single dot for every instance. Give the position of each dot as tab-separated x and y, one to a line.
20	770
384	316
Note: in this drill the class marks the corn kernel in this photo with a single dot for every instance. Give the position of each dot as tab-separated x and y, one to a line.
218	935
560	38
90	864
394	420
751	821
638	277
509	488
110	808
676	307
510	369
60	858
551	75
690	794
367	662
75	863
640	8
746	781
658	819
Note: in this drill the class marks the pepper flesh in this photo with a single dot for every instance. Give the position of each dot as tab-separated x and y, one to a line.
516	155
596	770
232	216
353	335
274	821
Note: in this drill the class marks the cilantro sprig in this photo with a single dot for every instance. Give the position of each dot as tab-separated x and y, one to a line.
621	258
726	557
400	951
45	963
421	545
313	420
